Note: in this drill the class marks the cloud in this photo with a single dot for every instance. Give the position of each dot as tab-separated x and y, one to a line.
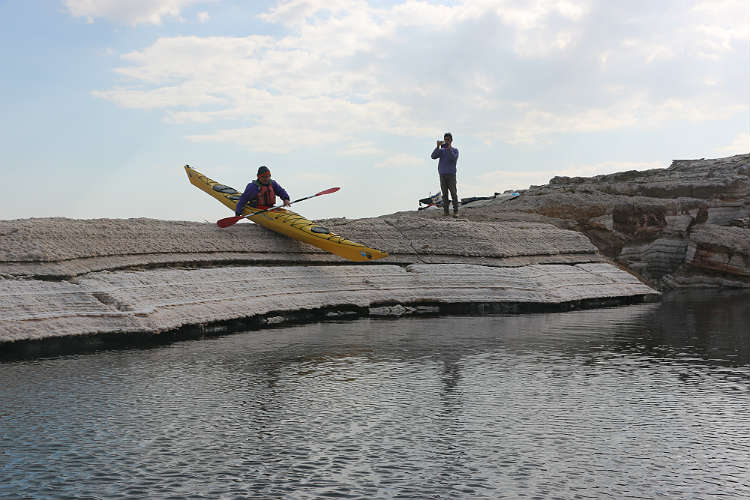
722	23
363	148
315	177
649	51
502	180
203	17
268	140
740	145
637	110
401	160
129	12
510	71
164	97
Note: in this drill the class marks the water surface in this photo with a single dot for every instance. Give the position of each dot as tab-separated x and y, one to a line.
645	401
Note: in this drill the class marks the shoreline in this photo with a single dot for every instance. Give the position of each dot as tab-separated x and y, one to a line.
67	284
90	343
573	243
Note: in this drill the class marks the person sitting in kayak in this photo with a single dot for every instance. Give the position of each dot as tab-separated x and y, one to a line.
261	193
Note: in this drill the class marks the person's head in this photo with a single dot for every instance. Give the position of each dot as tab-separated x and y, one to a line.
448	137
264	174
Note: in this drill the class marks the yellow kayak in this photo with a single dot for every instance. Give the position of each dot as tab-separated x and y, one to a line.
287	222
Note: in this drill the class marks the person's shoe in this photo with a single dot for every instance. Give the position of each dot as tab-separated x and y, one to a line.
455	215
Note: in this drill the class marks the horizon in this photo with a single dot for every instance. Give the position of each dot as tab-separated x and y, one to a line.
105	102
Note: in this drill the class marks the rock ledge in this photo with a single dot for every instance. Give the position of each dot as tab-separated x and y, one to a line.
80	283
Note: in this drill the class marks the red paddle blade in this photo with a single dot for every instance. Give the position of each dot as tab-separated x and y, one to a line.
228	221
328	191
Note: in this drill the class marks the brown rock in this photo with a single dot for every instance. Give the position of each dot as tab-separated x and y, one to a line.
661	223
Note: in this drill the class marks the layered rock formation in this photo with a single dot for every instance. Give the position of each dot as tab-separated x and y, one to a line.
547	249
64	248
71	278
686	225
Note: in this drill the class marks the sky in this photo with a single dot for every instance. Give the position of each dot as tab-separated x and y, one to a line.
104	101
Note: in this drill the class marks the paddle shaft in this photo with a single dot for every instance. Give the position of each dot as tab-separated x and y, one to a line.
228	221
291	202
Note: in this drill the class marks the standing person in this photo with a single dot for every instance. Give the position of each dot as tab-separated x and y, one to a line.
447	169
261	193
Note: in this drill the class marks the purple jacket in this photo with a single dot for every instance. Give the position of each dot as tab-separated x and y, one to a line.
251	192
448	158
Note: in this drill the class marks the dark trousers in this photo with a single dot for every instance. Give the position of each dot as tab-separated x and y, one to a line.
448	183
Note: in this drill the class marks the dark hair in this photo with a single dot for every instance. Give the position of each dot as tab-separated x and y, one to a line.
263	169
448	134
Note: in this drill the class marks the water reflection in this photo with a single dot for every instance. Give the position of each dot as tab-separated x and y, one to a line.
642	401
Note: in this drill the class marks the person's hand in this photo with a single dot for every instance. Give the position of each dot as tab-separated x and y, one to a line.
440	143
286	203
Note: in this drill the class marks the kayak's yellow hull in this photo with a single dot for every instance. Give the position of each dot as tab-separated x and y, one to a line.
287	222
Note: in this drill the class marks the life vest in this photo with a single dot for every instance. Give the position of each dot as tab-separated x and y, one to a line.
266	196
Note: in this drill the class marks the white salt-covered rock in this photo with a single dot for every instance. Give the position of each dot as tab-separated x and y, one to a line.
64	277
166	299
64	248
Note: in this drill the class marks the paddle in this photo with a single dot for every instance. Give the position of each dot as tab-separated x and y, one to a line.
228	221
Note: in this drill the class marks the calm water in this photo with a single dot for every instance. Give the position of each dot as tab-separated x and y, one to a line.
647	401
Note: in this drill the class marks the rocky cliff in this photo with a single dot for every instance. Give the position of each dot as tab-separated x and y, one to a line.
686	225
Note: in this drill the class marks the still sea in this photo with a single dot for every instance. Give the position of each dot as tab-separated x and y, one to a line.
643	401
